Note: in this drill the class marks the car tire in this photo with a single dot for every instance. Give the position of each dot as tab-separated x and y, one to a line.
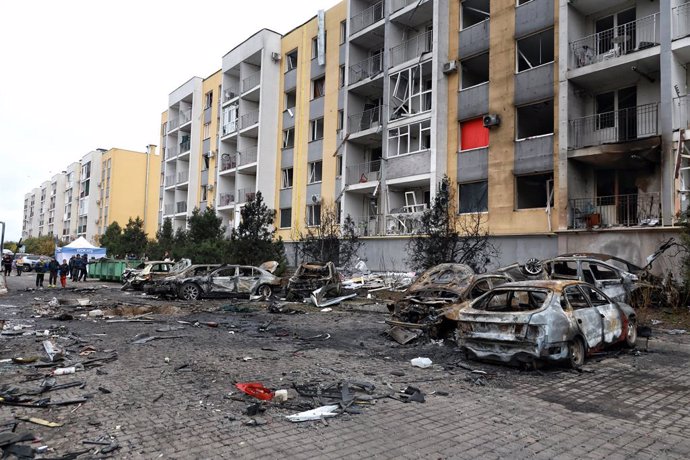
576	353
631	336
190	291
264	291
27	268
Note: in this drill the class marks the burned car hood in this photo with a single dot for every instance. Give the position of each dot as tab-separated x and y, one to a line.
445	279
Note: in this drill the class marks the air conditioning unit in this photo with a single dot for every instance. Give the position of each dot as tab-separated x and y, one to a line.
450	67
275	57
491	119
316	198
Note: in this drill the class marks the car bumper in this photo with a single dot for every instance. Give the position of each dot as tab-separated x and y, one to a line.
515	351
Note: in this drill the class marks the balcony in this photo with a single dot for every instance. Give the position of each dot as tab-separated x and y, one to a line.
363	172
635	210
412	48
182	177
613	127
168	209
185	116
226	199
248	156
228	161
612	43
397	5
681	114
400	224
370	118
249	119
170	180
230	128
181	206
251	81
681	21
170	152
229	93
185	146
365	18
246	194
368	68
173	123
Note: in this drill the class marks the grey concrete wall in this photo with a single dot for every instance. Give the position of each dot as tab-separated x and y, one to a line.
534	85
534	155
204	177
207	115
533	16
313	189
287	158
289	121
473	40
285	198
408	165
473	102
290	79
316	69
316	108
206	145
473	165
315	150
341	53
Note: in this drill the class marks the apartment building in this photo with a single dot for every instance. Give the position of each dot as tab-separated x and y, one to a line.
92	193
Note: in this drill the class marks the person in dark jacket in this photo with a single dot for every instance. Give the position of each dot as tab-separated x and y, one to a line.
84	266
64	272
53	267
73	268
40	272
7	264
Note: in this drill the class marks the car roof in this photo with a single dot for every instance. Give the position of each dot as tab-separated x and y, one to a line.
553	285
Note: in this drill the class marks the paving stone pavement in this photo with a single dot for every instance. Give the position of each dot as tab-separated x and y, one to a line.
625	404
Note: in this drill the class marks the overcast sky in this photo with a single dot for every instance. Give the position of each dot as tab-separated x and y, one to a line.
76	75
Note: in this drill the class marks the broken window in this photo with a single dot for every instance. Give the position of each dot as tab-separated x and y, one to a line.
474	197
473	134
208	100
290	99
343	31
534	190
341	120
291	60
316	129
313	215
409	138
314	47
535	119
473	12
314	172
341	76
286	218
596	298
535	50
411	91
576	298
318	87
593	271
338	166
475	71
286	181
288	138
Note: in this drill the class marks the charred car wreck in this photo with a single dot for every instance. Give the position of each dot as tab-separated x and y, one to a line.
226	281
313	276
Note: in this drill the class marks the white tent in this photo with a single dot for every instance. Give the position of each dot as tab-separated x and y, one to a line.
79	246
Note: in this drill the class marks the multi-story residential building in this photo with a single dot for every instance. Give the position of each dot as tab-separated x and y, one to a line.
90	194
208	159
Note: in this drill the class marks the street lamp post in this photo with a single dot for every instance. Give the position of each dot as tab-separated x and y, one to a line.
2	237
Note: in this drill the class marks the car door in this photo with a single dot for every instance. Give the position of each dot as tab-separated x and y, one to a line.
610	313
248	277
588	318
605	278
224	281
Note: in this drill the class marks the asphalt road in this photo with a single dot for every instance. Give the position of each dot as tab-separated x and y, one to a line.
174	396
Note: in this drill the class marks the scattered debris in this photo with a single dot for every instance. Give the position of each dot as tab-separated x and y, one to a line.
314	414
39	421
421	362
53	352
256	390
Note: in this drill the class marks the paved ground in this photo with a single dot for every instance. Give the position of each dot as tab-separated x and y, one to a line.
625	404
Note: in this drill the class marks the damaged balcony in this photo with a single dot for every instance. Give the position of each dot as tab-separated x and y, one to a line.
633	210
363	176
247	159
681	21
413	48
365	122
228	162
368	69
411	91
623	125
369	16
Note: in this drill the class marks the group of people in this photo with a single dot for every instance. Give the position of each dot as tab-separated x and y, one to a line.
75	269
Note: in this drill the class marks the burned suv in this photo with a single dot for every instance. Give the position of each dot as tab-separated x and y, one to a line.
228	281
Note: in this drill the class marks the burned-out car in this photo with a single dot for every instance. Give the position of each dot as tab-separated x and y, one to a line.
312	276
424	300
530	321
228	281
149	272
168	287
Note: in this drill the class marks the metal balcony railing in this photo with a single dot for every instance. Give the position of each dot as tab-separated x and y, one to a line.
621	40
611	127
172	124
226	199
181	206
363	172
247	156
185	116
249	119
681	21
365	18
228	161
245	194
170	180
185	146
182	177
251	81
230	93
639	209
681	113
170	152
400	4
389	224
412	48
367	68
370	118
168	209
229	128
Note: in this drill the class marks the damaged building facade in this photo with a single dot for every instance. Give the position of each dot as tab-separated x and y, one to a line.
562	122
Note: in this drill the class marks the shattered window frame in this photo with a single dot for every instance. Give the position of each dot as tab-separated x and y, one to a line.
315	172
411	91
289	138
525	55
291	60
286	178
479	198
523	187
409	139
316	129
314	215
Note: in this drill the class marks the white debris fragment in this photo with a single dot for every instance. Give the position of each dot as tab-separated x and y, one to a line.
421	362
314	414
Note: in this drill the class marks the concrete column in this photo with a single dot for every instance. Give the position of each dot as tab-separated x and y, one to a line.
666	112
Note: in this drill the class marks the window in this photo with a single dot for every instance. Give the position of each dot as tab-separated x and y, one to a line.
288	138
473	134
473	12
338	166
318	86
313	215
341	76
316	129
411	91
314	172
286	181
314	47
576	298
535	119
343	31
534	190
535	50
475	71
286	218
474	197
596	298
341	120
409	138
291	99
207	130
204	192
208	99
291	60
597	272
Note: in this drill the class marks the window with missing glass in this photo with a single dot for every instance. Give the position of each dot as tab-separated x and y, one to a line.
473	197
286	178
285	217
315	169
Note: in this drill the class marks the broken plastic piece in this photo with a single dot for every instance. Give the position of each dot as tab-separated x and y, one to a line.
314	414
54	353
256	390
421	362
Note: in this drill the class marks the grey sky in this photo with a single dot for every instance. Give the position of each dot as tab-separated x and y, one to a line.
79	75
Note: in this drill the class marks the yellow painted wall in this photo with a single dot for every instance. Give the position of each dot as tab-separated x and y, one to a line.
211	83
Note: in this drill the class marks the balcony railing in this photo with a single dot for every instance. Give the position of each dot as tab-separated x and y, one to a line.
412	48
170	152
170	180
229	128
611	127
181	206
228	161
168	209
681	21
249	119
248	156
185	146
185	116
226	199
400	4
173	123
367	68
246	194
370	118
251	81
639	209
681	114
363	172
230	93
619	41
182	177
365	18
391	224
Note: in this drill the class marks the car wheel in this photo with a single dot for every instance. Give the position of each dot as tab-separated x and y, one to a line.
631	336
264	291
576	353
27	268
190	291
